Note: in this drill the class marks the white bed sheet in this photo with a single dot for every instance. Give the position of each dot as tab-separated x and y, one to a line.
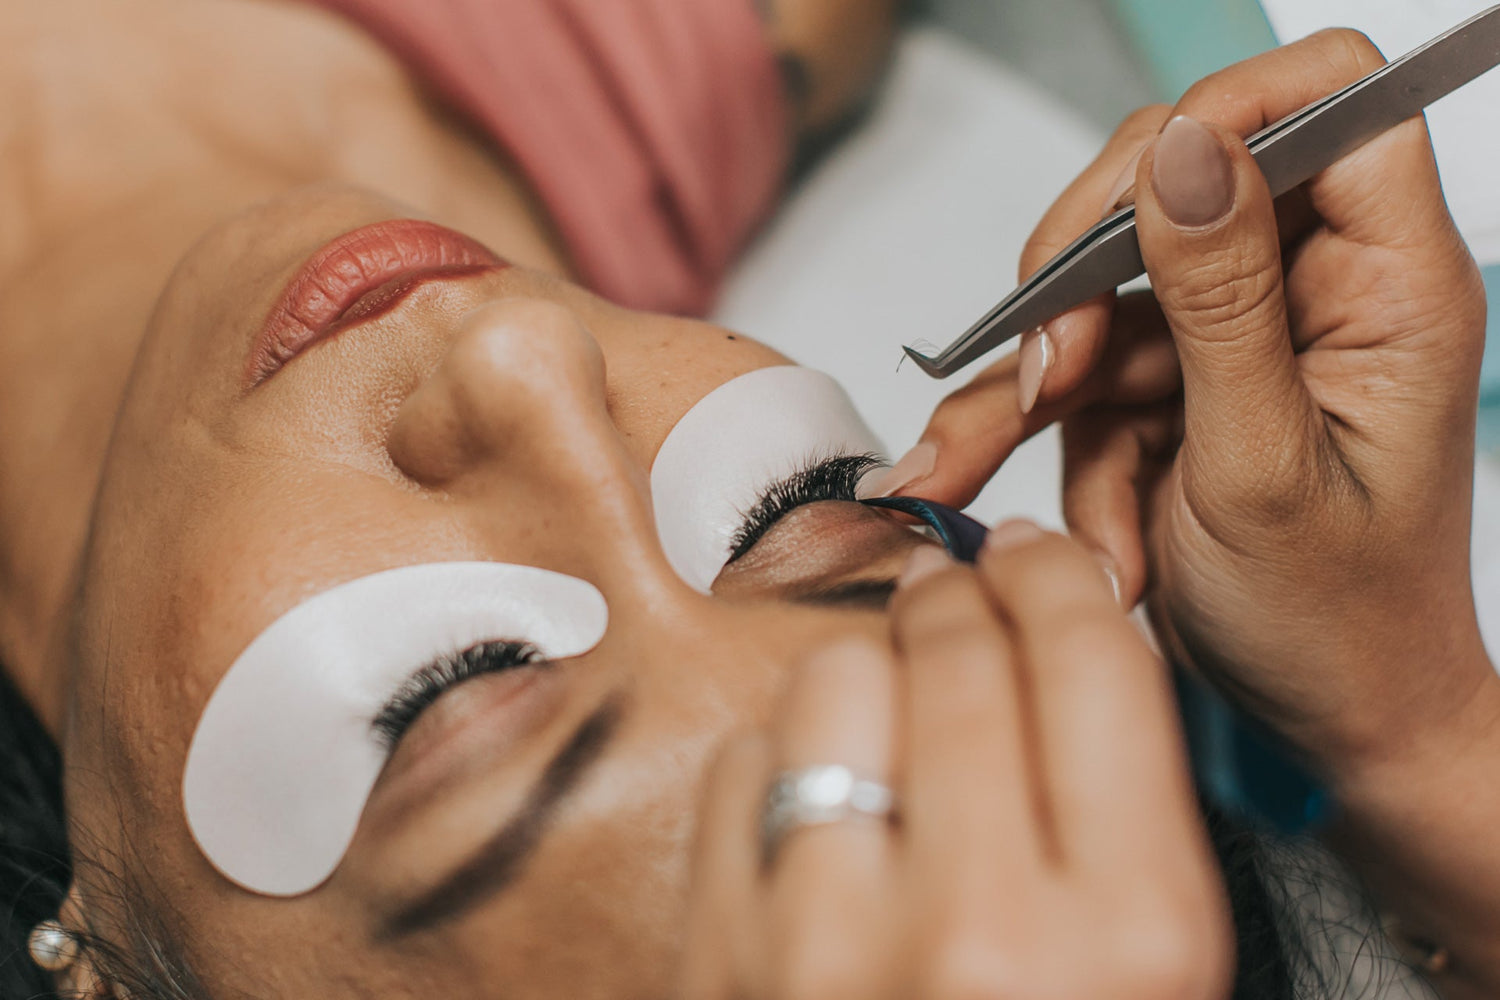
913	228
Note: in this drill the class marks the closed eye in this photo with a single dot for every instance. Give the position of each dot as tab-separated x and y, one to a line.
835	478
429	683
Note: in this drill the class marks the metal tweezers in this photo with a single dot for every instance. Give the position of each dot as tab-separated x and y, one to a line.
1289	153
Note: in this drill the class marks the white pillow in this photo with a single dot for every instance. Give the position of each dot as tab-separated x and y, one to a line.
911	231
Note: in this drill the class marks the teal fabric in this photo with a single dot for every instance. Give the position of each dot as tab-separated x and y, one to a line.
1491	374
1183	41
1489	400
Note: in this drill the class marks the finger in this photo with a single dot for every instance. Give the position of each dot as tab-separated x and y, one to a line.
1113	458
1115	774
1386	194
1208	236
1101	461
831	885
1055	359
724	950
976	429
1248	96
1141	363
968	816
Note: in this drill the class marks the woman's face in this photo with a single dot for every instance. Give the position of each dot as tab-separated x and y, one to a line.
487	414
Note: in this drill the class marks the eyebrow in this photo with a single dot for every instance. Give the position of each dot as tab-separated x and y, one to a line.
505	855
873	595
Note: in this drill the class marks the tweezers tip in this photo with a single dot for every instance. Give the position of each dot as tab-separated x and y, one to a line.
926	363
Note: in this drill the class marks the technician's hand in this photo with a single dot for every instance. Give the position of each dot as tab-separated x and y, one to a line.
1048	842
1298	517
1300	514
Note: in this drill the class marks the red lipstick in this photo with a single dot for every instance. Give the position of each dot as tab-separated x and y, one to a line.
357	277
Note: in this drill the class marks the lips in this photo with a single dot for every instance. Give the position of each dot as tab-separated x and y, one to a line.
361	275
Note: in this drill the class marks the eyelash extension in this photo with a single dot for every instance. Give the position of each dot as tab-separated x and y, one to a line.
834	478
425	686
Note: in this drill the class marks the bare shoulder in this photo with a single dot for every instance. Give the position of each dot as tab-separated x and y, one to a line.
834	51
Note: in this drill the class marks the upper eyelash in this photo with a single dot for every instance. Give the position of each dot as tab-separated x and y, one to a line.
424	687
835	478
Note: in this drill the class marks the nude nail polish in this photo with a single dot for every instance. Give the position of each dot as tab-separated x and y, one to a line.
1010	534
1112	575
1037	352
1192	174
1122	191
914	465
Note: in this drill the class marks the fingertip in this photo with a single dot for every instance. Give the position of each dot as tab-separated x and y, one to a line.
1112	574
1036	356
911	468
1102	508
1008	535
964	443
1193	174
924	562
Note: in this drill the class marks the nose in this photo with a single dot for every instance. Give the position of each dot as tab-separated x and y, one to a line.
513	424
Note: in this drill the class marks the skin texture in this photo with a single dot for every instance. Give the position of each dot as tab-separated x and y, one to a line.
1289	426
155	517
429	434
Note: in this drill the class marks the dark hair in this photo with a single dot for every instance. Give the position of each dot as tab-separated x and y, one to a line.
1269	885
37	866
34	868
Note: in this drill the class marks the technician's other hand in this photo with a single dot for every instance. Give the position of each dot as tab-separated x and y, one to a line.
1048	842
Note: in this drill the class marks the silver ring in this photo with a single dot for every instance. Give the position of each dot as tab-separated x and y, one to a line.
817	796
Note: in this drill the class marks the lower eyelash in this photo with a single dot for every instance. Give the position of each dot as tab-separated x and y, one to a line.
429	683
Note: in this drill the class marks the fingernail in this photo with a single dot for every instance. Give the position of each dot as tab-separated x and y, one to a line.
1122	191
1010	534
1112	575
1037	352
922	563
1193	177
914	465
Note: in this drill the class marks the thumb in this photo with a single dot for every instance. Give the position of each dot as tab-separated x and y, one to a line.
1208	234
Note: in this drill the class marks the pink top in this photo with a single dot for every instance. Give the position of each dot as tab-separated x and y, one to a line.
654	131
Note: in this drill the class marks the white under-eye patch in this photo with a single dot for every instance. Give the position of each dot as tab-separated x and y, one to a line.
748	433
284	755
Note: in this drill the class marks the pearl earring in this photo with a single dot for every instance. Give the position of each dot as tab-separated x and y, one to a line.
51	946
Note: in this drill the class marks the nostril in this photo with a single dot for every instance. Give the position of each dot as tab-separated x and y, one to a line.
427	441
519	374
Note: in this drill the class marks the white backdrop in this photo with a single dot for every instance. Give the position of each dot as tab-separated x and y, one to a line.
1465	126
